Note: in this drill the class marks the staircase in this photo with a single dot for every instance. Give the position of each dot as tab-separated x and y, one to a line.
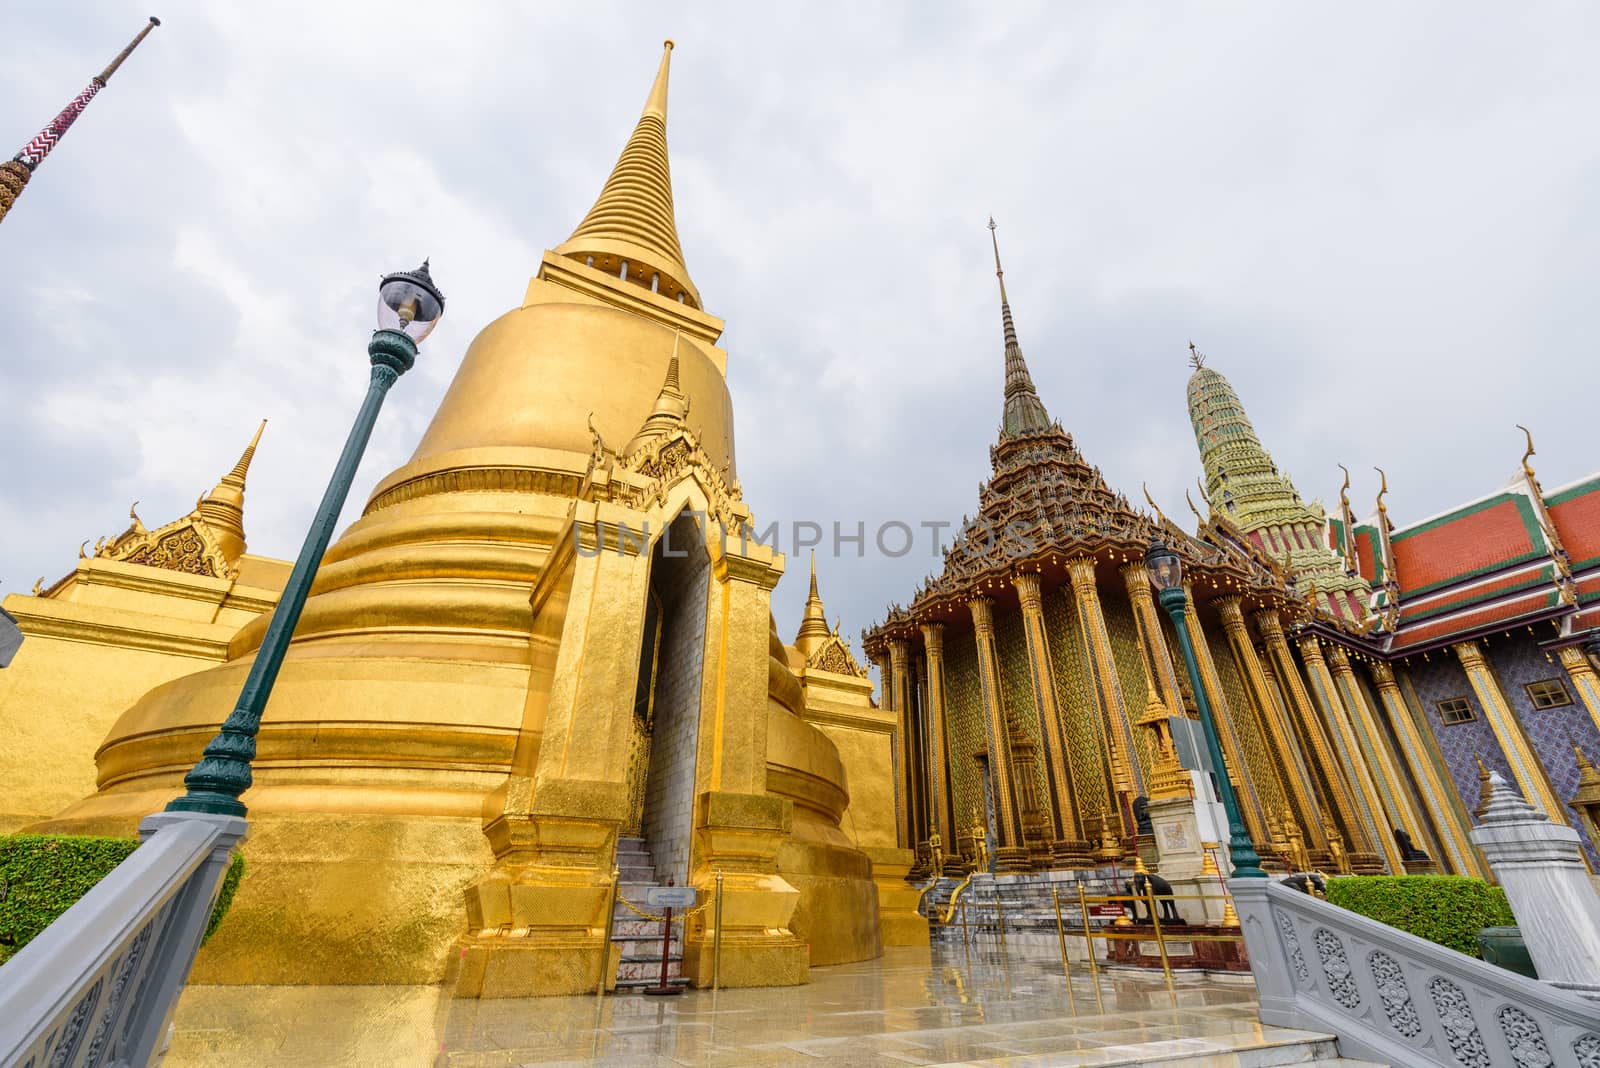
638	939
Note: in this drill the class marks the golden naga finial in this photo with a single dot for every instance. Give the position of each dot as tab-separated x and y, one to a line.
38	586
1197	358
1525	468
1344	490
1193	509
1383	488
1152	502
81	547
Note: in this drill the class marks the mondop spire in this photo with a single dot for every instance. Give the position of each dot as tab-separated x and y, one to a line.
15	173
1024	411
631	230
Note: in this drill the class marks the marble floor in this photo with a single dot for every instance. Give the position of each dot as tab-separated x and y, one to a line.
911	1007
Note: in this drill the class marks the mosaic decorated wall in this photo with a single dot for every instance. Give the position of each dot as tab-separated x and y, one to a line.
1430	681
1518	662
1080	714
1247	728
1016	685
964	720
1125	650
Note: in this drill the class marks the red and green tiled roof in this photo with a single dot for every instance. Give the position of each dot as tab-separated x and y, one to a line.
1575	511
1431	607
1368	558
1485	536
1507	612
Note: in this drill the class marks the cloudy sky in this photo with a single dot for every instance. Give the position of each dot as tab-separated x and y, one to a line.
1381	221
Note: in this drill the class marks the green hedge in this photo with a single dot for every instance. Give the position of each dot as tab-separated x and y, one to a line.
41	876
1447	909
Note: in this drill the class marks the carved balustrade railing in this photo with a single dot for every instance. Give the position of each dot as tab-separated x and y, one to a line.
99	985
1398	999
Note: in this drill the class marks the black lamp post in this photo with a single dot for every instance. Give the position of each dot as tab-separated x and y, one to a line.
1166	575
409	306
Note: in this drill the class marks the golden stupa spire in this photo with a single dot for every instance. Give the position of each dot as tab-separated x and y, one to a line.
223	508
814	623
1024	411
671	409
631	230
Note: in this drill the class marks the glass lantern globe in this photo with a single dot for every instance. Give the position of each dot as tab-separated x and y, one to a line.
409	302
1164	565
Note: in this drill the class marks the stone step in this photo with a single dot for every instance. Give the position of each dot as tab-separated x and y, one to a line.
635	985
634	971
648	948
1264	1053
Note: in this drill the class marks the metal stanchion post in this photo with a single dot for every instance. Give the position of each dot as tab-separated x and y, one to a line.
1000	917
605	945
1088	939
716	940
1061	936
1155	921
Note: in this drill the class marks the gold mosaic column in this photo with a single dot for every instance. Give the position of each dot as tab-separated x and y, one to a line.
1449	824
1152	640
1383	768
1062	804
891	690
1291	768
1011	853
1514	744
1581	672
1369	803
1125	775
1349	815
900	662
921	746
942	823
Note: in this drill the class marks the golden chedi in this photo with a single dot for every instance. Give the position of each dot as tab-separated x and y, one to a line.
548	629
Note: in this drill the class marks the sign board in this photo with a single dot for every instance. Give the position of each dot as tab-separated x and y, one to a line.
669	897
1112	910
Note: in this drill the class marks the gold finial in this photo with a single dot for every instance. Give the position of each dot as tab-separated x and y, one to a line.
1383	488
38	586
1152	502
1525	468
814	623
105	75
1344	490
632	221
1197	359
999	272
223	508
1192	508
656	102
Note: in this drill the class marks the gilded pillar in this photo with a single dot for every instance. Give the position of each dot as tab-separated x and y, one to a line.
1581	672
1316	739
1382	766
1157	658
1011	853
943	816
1126	778
1368	801
905	748
1066	826
920	768
1449	823
1531	779
1291	768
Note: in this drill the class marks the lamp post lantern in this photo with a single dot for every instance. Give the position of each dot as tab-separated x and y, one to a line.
1166	575
409	306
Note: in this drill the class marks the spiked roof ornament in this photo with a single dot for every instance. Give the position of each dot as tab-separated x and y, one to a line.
1024	411
15	173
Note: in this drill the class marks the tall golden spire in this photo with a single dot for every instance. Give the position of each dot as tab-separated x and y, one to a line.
223	508
814	624
671	409
15	173
1024	411
631	230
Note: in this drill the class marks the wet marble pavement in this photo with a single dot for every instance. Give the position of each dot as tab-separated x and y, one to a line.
911	1007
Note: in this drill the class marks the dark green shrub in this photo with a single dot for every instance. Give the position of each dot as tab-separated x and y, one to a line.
41	876
1447	909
